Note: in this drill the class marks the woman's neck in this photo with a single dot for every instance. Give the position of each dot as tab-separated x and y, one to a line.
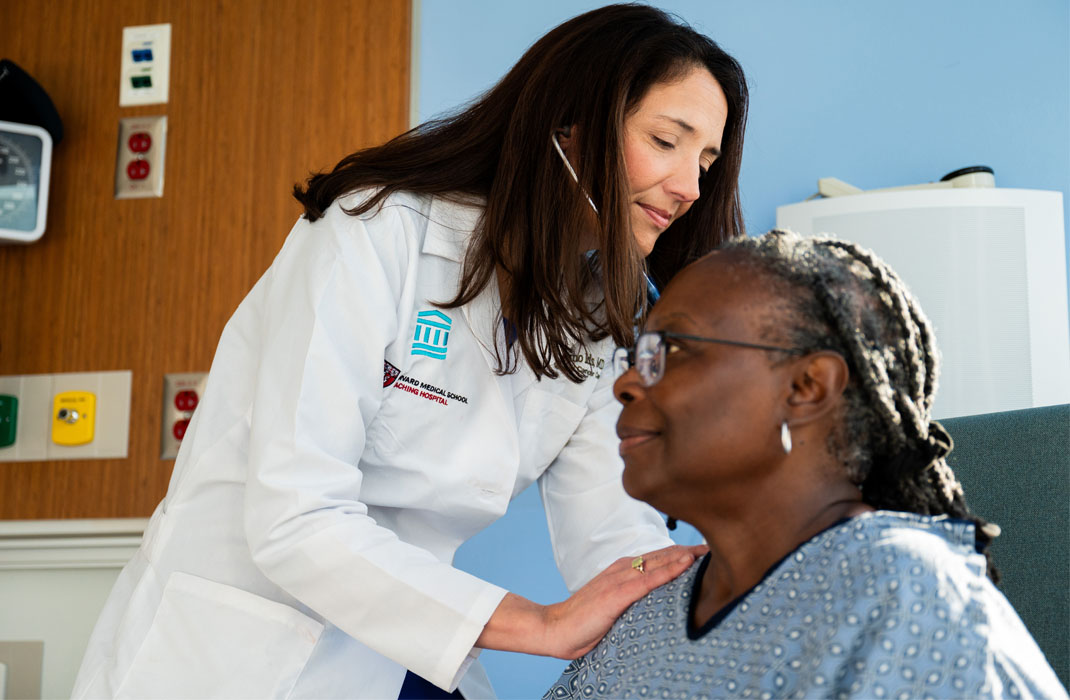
745	546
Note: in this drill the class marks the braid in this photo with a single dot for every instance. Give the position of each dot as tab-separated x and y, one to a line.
843	298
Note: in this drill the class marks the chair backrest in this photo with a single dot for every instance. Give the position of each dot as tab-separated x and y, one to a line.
1015	471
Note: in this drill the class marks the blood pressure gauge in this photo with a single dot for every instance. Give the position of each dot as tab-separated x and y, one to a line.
25	167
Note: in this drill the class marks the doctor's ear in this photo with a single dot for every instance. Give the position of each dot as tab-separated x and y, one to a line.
564	137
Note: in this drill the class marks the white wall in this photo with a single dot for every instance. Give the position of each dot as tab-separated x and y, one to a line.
54	578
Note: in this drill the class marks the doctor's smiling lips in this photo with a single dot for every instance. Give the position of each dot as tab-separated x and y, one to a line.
660	217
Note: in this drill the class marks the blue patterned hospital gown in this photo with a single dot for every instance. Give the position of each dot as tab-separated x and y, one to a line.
883	605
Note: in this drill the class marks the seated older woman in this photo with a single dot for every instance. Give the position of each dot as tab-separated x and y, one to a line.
779	401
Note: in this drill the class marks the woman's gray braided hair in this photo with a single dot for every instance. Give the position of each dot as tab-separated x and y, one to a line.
841	297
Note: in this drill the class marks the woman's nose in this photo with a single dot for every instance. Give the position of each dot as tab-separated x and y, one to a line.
628	387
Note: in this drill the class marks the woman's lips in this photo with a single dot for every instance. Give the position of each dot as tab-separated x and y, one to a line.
660	217
633	439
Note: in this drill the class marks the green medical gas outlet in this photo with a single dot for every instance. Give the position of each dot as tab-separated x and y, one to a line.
9	416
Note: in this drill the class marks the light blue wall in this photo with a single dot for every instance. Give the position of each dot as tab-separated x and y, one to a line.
876	93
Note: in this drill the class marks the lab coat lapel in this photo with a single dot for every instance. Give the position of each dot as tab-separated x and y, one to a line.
449	232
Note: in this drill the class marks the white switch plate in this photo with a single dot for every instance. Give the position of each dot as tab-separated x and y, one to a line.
127	187
173	385
23	668
33	439
145	68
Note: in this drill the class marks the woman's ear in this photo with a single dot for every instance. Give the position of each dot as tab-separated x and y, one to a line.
818	382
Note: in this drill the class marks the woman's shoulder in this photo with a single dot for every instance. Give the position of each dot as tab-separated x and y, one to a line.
891	544
647	630
918	584
662	611
920	568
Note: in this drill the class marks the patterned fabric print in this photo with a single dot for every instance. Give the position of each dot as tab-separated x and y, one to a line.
885	605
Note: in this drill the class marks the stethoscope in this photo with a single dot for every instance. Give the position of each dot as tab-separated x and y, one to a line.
652	293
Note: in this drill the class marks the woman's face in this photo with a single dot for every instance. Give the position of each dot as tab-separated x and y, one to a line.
671	138
712	421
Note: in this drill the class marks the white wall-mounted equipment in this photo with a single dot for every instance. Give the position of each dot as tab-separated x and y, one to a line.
145	70
30	128
988	266
25	171
972	176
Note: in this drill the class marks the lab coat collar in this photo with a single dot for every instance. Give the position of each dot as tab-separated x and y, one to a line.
450	226
451	222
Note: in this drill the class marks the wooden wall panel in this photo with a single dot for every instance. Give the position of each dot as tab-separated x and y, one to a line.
262	93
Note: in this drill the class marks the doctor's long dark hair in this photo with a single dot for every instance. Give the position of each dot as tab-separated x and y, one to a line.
589	72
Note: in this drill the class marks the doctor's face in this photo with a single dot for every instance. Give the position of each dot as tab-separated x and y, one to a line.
671	139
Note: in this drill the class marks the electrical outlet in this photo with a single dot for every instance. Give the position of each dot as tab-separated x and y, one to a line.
139	162
145	69
37	413
181	394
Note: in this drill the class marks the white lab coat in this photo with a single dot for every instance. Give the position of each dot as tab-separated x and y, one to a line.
304	546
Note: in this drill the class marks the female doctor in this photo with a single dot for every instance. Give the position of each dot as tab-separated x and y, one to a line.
432	338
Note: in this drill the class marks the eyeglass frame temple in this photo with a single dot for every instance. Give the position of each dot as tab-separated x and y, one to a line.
737	343
629	353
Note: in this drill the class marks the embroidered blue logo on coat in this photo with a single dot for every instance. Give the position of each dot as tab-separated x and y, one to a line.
432	334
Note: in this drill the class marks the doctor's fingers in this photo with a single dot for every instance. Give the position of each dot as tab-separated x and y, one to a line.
669	556
641	574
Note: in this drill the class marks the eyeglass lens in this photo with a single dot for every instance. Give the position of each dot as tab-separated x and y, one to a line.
650	357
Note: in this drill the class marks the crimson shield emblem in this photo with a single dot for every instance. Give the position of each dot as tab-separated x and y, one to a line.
390	373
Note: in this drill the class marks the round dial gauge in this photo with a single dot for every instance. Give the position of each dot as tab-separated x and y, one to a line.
18	181
25	156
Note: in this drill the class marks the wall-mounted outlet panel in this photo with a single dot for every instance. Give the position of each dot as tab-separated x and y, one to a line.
74	415
36	394
181	394
139	160
145	69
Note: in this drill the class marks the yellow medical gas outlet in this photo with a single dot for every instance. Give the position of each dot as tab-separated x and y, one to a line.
73	415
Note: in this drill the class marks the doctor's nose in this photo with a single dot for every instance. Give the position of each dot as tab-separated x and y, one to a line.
684	184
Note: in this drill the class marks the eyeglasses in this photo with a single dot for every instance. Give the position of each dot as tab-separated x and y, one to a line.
648	355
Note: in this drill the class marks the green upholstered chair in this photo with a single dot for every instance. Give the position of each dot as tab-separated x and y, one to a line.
1015	470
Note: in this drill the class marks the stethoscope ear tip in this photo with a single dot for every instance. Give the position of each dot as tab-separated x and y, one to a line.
560	151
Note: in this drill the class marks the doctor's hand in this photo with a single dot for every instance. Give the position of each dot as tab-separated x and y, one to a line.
571	628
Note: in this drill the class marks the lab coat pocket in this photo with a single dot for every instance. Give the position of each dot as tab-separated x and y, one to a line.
547	422
210	640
